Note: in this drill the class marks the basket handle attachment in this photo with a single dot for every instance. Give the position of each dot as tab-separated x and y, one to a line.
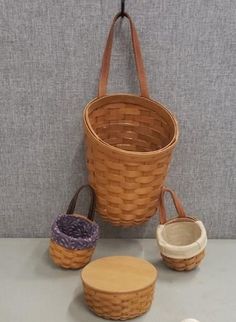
73	202
102	88
178	205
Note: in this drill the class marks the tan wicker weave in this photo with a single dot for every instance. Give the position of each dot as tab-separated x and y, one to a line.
119	287
182	240
119	306
187	264
130	140
69	258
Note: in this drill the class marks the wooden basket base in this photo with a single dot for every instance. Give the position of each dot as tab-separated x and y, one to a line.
69	258
119	306
184	264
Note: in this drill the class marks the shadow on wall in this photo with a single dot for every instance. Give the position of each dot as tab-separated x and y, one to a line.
147	230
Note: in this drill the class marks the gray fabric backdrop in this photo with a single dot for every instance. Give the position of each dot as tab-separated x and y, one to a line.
50	59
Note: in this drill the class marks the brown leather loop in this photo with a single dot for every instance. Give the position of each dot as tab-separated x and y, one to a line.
72	204
102	89
178	206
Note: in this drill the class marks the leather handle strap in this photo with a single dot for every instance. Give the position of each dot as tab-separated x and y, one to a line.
178	206
102	89
73	202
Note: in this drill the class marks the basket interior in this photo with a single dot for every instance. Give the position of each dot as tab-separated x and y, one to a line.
132	123
76	227
181	233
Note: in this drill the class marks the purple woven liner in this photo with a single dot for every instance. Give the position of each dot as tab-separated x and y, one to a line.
74	232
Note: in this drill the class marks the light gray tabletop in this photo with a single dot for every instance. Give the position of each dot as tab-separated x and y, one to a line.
32	289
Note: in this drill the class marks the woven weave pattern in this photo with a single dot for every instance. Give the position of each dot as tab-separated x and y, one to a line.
184	264
127	180
119	306
69	258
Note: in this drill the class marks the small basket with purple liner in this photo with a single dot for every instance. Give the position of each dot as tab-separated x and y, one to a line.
73	237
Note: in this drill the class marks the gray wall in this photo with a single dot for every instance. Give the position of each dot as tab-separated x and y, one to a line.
50	59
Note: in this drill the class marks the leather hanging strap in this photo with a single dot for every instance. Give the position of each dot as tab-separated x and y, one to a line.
178	206
137	54
73	202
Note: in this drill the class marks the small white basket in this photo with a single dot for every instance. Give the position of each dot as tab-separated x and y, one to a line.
182	240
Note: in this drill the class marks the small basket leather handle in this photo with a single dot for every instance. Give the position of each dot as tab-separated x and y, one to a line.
102	89
73	202
178	206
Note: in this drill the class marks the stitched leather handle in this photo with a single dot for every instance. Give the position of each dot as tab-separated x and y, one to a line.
178	206
73	202
102	89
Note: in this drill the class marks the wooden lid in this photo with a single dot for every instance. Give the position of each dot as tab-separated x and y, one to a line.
119	274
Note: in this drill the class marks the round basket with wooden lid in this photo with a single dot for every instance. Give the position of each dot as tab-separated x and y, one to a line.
119	287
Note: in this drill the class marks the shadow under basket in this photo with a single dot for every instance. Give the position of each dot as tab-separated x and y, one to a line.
182	240
73	237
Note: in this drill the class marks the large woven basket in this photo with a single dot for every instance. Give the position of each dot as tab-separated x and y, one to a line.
119	287
130	140
73	237
182	240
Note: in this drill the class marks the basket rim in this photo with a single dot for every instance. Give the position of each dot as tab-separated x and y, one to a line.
55	244
175	251
93	134
120	292
71	238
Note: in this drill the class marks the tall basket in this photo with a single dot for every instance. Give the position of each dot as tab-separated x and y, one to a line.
130	140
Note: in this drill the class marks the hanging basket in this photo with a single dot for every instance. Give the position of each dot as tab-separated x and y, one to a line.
182	240
73	237
130	140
